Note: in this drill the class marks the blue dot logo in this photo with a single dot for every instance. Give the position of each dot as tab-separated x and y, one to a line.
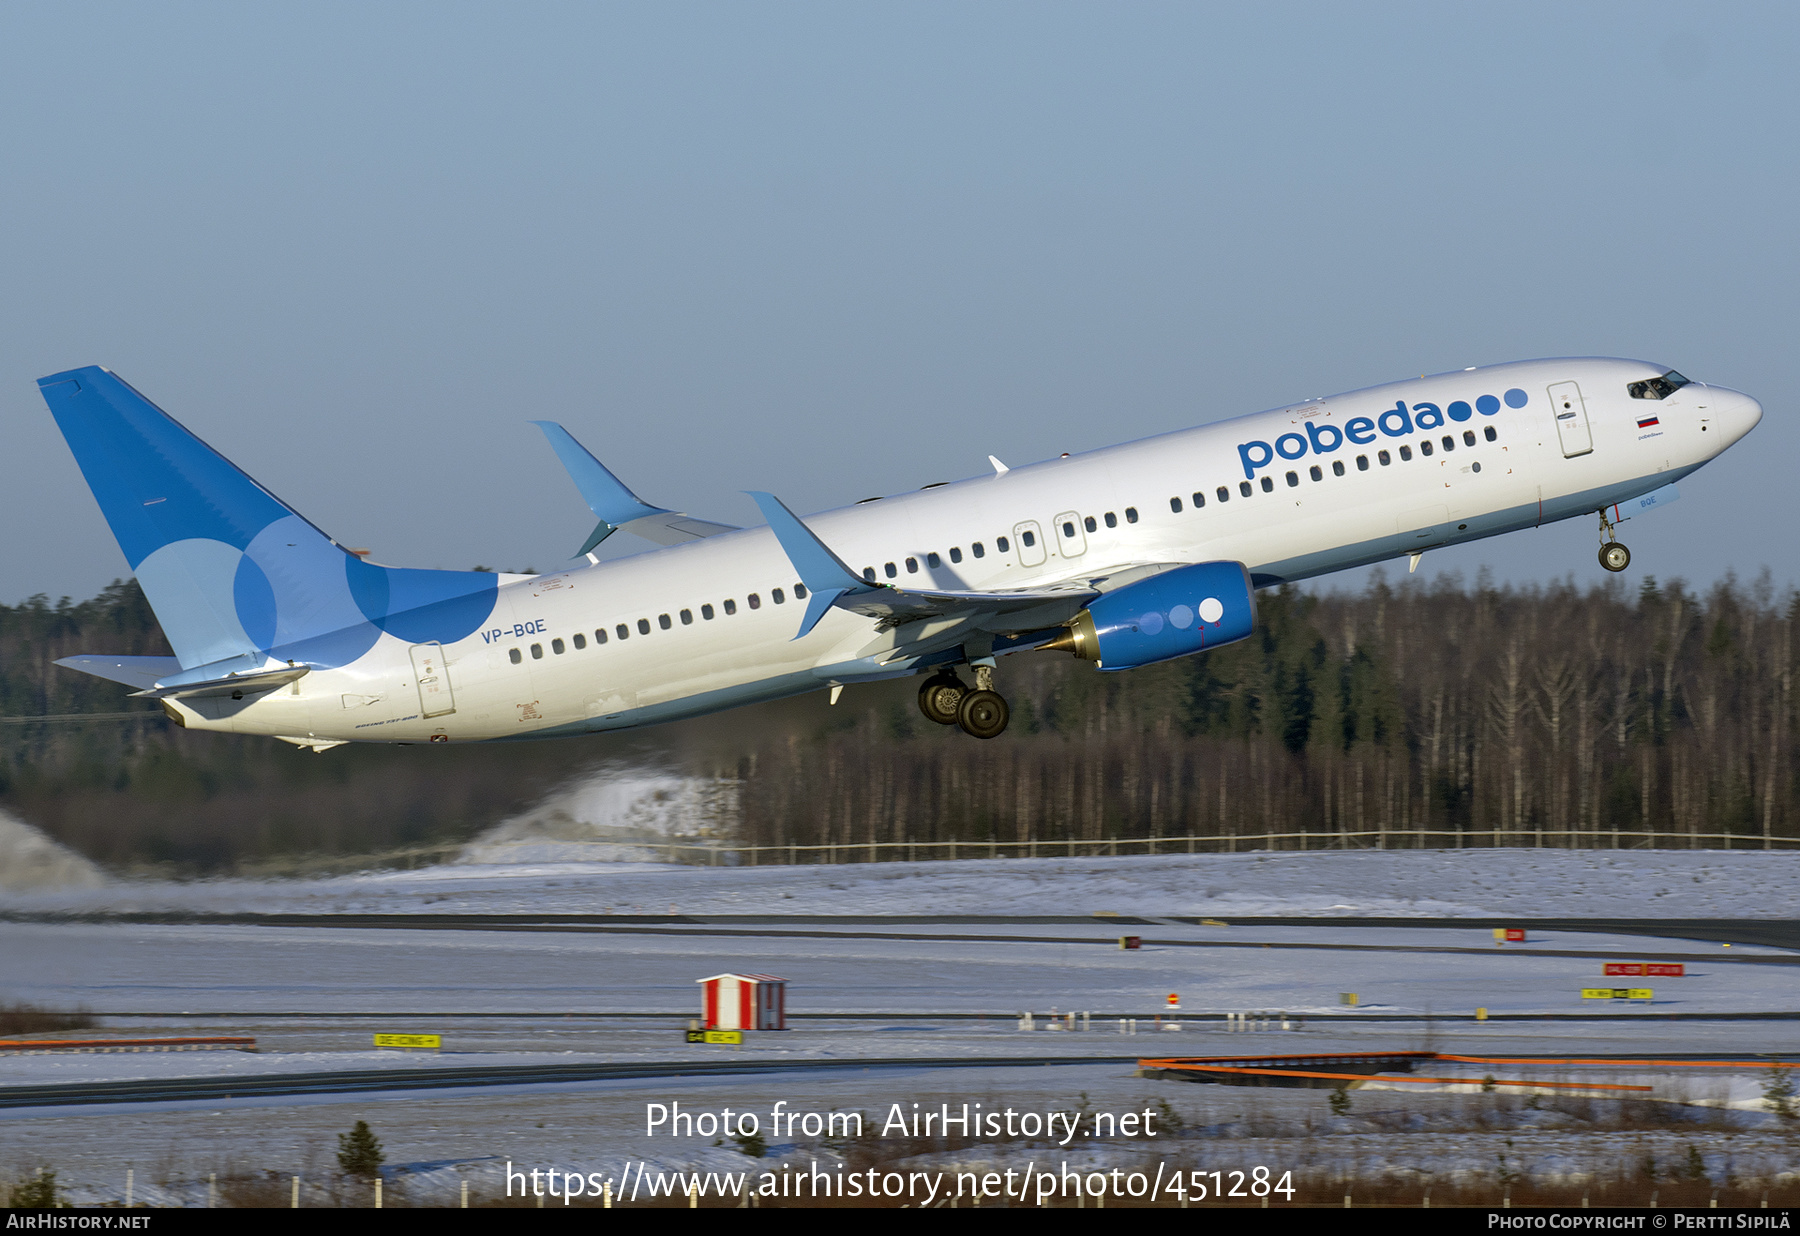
1460	411
1487	405
1516	398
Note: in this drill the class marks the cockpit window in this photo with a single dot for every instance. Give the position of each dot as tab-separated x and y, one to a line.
1658	388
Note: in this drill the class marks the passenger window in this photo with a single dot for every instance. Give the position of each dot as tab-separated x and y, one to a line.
1199	499
662	620
890	568
1002	544
1449	442
1316	473
1337	467
600	635
1244	488
1468	437
1068	527
1384	457
1268	484
1089	523
1425	447
1131	514
1029	537
730	606
976	549
623	631
1175	505
537	652
1293	479
956	553
754	601
1112	521
706	612
777	596
1406	452
558	647
868	574
580	642
912	566
687	617
512	654
1224	494
799	592
1489	433
643	626
1362	463
931	560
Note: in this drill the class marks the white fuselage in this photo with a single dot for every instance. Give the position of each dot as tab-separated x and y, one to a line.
524	676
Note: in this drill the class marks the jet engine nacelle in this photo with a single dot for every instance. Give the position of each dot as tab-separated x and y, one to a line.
1187	610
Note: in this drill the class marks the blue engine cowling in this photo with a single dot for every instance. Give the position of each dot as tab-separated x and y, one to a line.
1179	612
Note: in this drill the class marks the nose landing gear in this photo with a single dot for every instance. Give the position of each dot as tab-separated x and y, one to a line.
1613	556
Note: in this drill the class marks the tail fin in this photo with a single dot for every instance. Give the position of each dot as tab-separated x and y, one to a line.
233	573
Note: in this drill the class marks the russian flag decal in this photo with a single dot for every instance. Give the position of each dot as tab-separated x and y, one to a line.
1647	422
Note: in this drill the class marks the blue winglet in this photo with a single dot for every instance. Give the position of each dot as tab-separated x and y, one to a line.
606	495
823	572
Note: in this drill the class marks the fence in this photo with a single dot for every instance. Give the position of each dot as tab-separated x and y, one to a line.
724	853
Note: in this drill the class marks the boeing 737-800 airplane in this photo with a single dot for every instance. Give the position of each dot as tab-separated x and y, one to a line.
1125	556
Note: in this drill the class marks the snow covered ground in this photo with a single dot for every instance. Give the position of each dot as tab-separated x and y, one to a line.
898	990
1526	883
147	969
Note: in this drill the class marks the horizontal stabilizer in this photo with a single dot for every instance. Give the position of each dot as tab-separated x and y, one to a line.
236	685
614	504
140	672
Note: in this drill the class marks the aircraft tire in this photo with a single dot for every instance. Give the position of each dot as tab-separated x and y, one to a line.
983	714
1614	556
940	697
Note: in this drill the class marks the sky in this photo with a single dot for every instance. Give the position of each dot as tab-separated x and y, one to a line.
843	250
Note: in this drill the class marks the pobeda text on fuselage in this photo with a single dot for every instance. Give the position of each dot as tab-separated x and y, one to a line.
1124	556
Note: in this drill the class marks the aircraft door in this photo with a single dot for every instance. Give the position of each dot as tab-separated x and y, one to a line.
429	671
1570	411
1071	541
1028	539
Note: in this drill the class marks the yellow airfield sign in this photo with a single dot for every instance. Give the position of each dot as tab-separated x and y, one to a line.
733	1038
409	1040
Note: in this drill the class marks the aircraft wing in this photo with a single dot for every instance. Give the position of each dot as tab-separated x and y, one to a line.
830	583
614	505
674	528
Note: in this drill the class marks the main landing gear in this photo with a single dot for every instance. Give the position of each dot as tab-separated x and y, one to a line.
1613	556
947	700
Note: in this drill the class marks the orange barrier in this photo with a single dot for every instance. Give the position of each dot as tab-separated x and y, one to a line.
1190	1066
1638	1064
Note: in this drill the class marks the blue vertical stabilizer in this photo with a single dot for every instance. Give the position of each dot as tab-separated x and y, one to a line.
234	574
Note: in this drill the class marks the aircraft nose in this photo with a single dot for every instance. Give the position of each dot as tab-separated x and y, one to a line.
1738	413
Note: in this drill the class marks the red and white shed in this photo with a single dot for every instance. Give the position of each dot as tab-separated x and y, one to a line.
744	1002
